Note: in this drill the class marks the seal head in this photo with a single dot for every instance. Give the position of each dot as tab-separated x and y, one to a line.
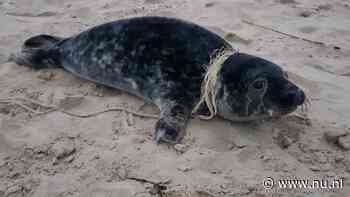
251	88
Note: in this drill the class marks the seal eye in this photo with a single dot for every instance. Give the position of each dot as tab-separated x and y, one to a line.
259	84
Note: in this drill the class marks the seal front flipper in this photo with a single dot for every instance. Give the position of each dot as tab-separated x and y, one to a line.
173	120
39	52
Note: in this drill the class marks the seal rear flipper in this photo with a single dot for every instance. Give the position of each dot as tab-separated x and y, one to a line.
39	52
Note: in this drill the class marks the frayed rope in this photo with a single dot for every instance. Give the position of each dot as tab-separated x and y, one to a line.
208	87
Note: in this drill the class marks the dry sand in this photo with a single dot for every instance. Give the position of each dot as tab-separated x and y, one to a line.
112	154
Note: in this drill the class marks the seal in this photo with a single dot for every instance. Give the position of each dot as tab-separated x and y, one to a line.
179	66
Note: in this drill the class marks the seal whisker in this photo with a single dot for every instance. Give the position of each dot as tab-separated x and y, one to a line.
307	104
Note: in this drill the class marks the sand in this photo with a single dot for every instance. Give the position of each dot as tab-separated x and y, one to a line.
112	154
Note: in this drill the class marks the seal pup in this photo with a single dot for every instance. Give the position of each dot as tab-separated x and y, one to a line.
179	66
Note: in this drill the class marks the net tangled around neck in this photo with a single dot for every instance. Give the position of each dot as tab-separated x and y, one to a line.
208	87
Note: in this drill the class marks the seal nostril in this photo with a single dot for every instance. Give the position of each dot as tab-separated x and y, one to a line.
297	97
293	98
301	97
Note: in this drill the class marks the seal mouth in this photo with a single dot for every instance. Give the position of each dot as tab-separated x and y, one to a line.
287	110
281	111
303	103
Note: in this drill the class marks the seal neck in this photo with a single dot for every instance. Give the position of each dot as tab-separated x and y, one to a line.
209	83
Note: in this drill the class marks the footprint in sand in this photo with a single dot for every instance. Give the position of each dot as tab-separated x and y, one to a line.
210	4
286	1
28	14
153	1
84	12
2	58
308	29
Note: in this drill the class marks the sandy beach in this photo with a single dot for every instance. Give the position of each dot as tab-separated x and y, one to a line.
112	154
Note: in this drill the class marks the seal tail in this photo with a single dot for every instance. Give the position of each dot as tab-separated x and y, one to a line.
39	52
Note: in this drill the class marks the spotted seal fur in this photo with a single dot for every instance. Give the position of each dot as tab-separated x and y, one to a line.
179	66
